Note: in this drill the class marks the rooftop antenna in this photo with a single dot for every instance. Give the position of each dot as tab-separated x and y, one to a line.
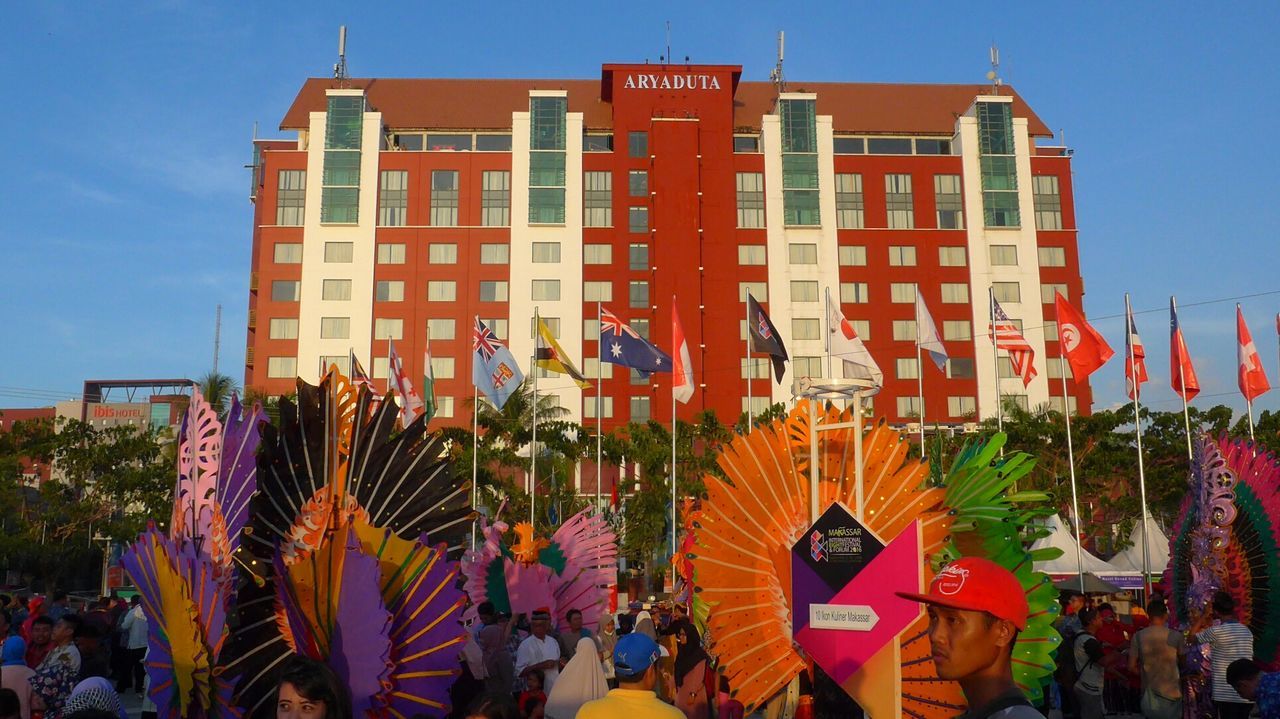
994	73
776	73
217	339
668	42
340	69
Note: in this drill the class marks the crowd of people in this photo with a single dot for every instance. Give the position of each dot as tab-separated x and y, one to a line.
58	661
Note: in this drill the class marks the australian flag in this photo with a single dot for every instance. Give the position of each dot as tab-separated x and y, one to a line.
764	337
493	369
620	344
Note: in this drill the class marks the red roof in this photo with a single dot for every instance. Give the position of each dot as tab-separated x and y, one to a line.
866	108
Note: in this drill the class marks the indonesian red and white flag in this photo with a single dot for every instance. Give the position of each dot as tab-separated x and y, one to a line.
1253	380
682	365
847	346
1135	365
1009	338
1083	347
1182	374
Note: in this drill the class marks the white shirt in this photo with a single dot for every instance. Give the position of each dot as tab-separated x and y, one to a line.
535	651
135	623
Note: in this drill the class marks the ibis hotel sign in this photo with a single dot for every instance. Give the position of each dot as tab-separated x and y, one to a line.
671	81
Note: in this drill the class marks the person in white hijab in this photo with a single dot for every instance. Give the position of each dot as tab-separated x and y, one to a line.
582	680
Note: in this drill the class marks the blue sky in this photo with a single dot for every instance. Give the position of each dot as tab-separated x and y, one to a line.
126	217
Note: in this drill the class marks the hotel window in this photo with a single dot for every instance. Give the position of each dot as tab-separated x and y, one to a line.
282	367
638	219
546	290
443	291
952	257
902	293
393	198
638	183
804	291
378	370
291	197
904	330
440	253
957	330
1055	404
440	329
589	406
1055	366
553	326
495	198
597	199
407	142
338	251
597	254
1003	255
343	362
640	409
392	254
285	290
960	368
746	143
803	254
849	205
547	123
498	326
335	290
933	147
1050	330
1007	291
638	144
889	146
449	143
597	292
750	199
799	162
495	254
751	254
546	252
758	290
955	293
998	164
597	143
908	407
493	291
906	368
442	367
340	185
1050	290
1005	367
804	328
853	293
849	145
444	198
760	405
444	406
753	368
806	366
288	253
950	207
641	326
902	256
899	202
962	406
335	328
853	256
388	329
638	378
862	328
1048	202
1049	256
592	367
638	257
284	328
638	294
493	143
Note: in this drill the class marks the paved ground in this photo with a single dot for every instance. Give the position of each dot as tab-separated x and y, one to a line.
132	703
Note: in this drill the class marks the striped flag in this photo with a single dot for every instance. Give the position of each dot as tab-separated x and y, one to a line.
1010	339
551	357
1135	366
358	375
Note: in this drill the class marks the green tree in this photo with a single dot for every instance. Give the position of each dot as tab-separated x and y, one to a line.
217	389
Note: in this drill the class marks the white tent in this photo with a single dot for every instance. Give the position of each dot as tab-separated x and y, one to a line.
1130	560
1060	537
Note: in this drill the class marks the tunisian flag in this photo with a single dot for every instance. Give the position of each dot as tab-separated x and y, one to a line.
1082	345
1253	381
682	365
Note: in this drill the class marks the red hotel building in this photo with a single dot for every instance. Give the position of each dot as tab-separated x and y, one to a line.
409	206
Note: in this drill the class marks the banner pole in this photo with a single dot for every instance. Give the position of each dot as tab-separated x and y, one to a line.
1182	385
599	412
751	369
1071	462
533	443
1137	426
919	375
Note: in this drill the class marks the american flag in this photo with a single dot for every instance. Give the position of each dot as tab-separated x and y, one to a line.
484	341
1008	338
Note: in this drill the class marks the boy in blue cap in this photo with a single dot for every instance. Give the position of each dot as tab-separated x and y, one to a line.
635	661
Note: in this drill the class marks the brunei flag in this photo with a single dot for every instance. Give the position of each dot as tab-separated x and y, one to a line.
550	357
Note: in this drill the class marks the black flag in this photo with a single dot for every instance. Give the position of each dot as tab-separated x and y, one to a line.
764	337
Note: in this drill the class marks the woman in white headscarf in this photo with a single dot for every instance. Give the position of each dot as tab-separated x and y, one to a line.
581	680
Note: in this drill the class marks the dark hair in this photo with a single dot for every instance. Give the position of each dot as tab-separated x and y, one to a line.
486	608
1106	607
9	705
1156	609
1242	670
316	681
1087	615
5	599
87	631
1223	603
72	620
494	706
42	619
569	617
59	595
541	675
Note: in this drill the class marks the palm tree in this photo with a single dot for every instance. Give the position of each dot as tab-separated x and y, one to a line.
217	389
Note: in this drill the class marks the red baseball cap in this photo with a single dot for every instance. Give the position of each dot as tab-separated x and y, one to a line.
980	585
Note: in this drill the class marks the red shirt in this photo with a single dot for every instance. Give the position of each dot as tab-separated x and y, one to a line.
36	653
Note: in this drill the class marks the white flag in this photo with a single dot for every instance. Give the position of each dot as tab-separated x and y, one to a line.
845	344
927	334
682	364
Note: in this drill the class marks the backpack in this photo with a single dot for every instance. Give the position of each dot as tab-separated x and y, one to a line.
1065	672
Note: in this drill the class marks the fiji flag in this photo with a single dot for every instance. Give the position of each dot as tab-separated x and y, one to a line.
493	369
621	345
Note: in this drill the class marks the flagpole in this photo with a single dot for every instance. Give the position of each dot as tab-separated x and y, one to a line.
533	443
1248	403
1182	385
827	321
1071	462
1137	425
475	450
995	358
751	370
675	351
919	373
599	406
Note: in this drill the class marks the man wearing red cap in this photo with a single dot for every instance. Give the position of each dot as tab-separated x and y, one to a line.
976	609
